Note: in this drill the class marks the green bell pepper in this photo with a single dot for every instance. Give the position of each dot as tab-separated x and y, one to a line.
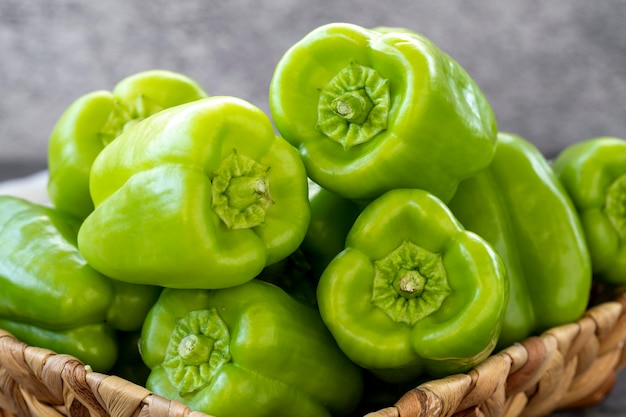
51	297
94	344
374	110
129	364
594	174
202	195
95	119
294	275
246	351
331	219
519	206
413	292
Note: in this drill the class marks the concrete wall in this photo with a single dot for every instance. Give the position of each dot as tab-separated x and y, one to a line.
554	71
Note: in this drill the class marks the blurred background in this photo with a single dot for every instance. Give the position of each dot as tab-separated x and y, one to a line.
554	71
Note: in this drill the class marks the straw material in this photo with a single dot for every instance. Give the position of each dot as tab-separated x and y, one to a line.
573	365
569	366
38	382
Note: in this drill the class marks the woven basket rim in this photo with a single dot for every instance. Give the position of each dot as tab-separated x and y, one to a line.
569	366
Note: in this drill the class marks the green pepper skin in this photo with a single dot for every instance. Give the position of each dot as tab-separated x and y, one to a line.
373	110
246	351
594	174
413	292
203	195
294	276
331	219
129	364
50	292
479	206
519	206
94	344
95	119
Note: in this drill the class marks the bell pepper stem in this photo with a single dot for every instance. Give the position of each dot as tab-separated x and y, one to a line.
240	191
354	106
199	346
195	349
410	283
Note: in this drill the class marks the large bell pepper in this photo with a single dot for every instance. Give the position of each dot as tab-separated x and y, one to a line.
374	110
96	119
202	195
413	292
594	174
51	297
519	206
246	351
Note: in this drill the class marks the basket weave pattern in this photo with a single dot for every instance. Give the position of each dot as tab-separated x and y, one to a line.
573	365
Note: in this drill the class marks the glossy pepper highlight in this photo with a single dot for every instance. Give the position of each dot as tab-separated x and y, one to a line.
374	110
246	351
203	195
594	174
96	119
413	292
51	297
519	206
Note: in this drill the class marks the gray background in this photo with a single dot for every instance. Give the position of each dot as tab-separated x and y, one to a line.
554	71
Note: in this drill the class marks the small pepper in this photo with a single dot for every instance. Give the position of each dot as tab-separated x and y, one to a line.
129	364
202	195
294	275
246	351
594	174
519	206
413	292
331	219
51	297
374	110
96	119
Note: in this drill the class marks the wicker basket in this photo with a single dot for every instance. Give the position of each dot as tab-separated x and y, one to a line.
573	365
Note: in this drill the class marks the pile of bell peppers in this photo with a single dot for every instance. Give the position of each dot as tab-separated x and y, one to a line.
375	230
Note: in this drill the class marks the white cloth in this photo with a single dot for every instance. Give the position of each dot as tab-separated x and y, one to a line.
31	187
